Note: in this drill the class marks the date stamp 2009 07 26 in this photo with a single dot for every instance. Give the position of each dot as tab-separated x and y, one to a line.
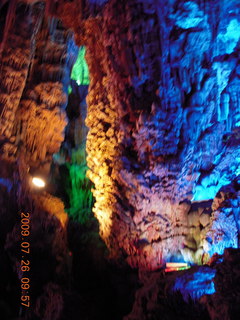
25	262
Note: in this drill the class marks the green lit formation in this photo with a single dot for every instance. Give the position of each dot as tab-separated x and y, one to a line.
80	195
69	90
79	186
80	72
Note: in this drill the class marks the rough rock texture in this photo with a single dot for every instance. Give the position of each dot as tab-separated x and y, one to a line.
174	295
212	292
224	304
36	60
163	143
16	57
163	114
163	118
34	68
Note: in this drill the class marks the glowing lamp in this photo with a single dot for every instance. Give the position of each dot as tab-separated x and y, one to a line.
176	266
38	182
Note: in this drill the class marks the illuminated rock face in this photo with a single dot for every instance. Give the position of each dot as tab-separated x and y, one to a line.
35	63
164	123
163	117
34	67
31	92
15	62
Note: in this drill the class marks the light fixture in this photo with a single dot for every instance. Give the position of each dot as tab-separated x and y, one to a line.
176	266
38	182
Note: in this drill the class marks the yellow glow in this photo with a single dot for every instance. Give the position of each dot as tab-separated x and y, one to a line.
38	182
176	265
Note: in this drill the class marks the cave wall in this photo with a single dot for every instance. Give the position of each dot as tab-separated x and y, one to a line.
35	63
163	116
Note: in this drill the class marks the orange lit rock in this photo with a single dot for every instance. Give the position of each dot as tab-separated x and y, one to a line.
52	205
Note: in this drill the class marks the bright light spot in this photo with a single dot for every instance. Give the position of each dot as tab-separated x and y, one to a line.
176	266
38	182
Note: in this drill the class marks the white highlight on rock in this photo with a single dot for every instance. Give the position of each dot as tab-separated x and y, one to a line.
230	38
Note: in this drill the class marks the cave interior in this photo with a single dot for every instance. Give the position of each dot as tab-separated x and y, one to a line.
119	159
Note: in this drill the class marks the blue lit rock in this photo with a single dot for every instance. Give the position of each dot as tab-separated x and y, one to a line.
196	283
170	296
223	230
188	15
228	40
172	83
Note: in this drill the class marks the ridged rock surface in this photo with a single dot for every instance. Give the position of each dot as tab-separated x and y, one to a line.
163	114
35	65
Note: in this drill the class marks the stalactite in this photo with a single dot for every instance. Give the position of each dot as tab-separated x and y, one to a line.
16	59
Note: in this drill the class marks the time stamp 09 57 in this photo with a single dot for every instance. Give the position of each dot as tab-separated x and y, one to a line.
25	262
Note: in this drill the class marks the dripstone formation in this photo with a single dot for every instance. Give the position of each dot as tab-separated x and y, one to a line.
163	116
163	122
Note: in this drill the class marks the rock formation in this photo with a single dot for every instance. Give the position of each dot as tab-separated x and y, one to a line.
160	142
163	114
163	118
